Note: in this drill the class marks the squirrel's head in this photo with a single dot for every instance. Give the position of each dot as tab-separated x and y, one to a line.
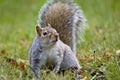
48	36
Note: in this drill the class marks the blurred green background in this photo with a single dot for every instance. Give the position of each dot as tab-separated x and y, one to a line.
17	29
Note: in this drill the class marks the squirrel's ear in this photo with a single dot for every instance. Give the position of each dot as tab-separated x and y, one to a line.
49	25
38	30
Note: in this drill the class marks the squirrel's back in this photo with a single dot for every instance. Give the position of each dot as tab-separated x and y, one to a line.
65	17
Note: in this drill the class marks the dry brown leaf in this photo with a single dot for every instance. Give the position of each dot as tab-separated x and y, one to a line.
16	62
91	57
3	51
21	65
12	61
106	55
87	58
84	60
22	40
82	71
26	62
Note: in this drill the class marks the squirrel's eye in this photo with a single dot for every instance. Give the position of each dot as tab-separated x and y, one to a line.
45	33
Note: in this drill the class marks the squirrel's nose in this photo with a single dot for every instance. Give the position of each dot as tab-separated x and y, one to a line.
56	35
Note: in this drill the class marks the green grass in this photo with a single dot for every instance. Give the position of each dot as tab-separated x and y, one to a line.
17	29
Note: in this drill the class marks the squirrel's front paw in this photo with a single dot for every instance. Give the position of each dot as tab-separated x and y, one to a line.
56	70
36	73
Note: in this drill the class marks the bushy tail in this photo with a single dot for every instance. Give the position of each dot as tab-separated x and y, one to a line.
80	23
79	19
67	18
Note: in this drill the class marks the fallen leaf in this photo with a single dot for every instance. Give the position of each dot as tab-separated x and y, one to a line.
21	65
12	61
17	63
3	51
22	40
91	57
107	55
88	58
82	71
84	60
26	62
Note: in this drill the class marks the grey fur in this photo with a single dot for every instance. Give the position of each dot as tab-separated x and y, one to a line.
74	25
60	57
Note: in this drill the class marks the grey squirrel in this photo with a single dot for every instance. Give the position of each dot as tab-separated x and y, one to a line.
66	17
50	48
49	51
